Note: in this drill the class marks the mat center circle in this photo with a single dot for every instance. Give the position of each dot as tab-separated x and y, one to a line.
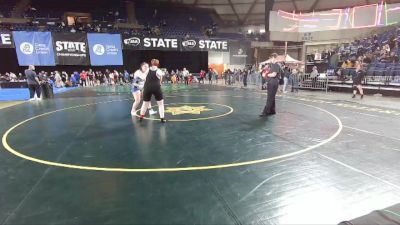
189	111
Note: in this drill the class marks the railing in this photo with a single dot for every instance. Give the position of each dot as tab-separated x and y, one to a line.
375	82
306	81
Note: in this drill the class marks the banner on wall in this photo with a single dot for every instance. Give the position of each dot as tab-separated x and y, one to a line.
240	53
71	49
193	44
150	43
34	48
105	49
6	40
174	44
214	45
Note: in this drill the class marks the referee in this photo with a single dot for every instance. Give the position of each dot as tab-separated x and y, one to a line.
272	86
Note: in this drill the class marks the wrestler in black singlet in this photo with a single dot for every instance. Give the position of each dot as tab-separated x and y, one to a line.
152	86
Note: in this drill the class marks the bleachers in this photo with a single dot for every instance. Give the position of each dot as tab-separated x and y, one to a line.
99	9
178	22
6	6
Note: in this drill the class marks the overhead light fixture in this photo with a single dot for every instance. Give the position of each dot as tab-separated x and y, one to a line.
249	31
262	31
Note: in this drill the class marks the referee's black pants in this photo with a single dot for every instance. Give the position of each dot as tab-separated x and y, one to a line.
34	88
272	88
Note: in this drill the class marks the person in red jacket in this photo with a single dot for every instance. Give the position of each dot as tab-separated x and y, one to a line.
83	77
202	76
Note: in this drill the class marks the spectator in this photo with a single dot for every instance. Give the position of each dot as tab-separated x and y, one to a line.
33	83
126	76
286	75
58	80
185	74
83	77
314	75
13	77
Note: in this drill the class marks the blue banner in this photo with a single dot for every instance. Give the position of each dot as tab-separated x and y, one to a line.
105	49
34	48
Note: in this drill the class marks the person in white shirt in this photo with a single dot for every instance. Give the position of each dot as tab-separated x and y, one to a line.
185	74
13	77
139	79
112	78
58	79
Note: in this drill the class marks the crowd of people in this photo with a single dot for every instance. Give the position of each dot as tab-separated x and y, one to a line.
374	48
90	78
83	78
377	48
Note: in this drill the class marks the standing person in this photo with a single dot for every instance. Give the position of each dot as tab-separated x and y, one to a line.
58	80
215	74
210	74
126	76
294	80
91	78
185	74
202	76
107	75
112	78
286	76
245	74
33	83
83	77
173	77
77	78
313	75
73	80
116	77
139	78
272	86
357	80
152	86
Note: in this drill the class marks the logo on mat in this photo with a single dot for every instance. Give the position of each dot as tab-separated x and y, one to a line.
189	43
99	49
132	41
26	48
185	109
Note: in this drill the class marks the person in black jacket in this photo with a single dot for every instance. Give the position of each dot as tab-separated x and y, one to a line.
357	80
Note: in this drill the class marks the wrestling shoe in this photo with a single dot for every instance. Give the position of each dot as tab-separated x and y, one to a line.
152	112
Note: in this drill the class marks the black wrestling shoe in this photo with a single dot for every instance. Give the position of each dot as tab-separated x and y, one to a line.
354	96
263	115
162	120
270	114
362	96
